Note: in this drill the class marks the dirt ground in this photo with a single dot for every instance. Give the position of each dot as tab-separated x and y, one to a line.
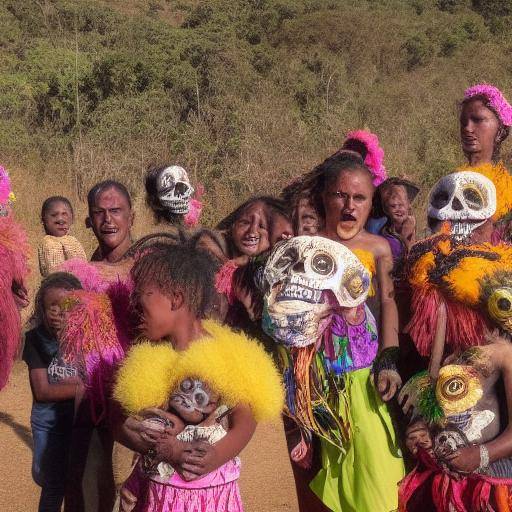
266	482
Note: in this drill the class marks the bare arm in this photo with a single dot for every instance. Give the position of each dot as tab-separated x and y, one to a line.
43	391
436	356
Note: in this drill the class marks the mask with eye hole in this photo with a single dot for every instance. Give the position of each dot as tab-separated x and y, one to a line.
174	189
464	199
193	401
304	280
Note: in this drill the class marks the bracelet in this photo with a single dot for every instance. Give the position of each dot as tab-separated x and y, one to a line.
386	360
484	457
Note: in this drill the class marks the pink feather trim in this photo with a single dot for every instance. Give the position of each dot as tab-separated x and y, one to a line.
375	157
5	186
224	280
195	208
87	273
496	99
92	342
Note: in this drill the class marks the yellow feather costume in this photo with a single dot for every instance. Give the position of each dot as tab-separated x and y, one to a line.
233	365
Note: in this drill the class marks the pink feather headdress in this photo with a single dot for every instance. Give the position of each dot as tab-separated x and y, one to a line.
5	186
375	156
495	98
195	207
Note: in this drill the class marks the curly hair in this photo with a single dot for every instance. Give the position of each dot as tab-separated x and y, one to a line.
180	268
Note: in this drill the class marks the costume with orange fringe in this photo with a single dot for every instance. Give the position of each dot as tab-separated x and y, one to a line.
233	366
14	250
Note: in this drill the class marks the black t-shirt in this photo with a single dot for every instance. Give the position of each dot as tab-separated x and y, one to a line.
40	348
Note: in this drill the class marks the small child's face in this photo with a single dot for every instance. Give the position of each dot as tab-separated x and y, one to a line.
53	314
308	222
57	219
250	231
396	204
157	312
417	435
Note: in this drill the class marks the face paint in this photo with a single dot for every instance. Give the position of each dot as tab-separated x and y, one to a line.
193	401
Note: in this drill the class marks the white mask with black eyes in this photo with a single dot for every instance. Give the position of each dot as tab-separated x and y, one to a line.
464	199
174	189
192	395
304	279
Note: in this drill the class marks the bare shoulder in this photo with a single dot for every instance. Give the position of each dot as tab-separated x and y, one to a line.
378	245
499	352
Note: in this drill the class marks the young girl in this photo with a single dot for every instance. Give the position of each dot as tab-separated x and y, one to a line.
206	373
54	385
57	245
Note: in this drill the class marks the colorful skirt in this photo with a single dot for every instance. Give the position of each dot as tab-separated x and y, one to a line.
365	477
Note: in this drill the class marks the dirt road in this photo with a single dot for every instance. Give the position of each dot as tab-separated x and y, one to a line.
267	482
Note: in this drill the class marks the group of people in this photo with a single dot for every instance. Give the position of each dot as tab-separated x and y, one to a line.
388	358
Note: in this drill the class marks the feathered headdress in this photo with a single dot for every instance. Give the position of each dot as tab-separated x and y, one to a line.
375	154
495	98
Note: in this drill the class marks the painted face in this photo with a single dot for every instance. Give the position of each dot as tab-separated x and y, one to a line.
347	203
479	128
308	221
156	312
395	203
52	312
250	232
417	436
111	219
193	401
57	219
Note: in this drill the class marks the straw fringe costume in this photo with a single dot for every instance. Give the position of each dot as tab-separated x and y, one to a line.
235	367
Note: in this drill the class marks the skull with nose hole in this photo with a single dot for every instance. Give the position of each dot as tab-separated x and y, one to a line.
306	278
464	199
174	189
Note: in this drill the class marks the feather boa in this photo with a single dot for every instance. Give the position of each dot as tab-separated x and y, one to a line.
232	364
92	342
195	208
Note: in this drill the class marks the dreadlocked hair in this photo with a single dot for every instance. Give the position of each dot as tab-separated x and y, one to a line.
315	182
180	268
61	280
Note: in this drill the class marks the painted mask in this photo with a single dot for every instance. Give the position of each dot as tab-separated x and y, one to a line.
174	189
464	199
304	279
193	401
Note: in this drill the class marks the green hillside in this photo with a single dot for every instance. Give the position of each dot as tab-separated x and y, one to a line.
245	94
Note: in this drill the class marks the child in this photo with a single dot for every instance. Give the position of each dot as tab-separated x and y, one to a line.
54	385
57	245
206	373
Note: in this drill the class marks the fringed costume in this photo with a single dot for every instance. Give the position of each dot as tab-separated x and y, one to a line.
315	311
224	369
14	251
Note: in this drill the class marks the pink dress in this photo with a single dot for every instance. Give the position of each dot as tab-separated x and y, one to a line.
217	491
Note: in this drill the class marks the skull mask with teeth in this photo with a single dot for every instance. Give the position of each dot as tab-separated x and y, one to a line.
304	279
174	189
464	199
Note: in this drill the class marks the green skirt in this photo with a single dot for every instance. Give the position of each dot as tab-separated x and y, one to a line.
365	478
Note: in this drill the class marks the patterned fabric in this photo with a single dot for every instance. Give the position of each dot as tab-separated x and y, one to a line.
54	250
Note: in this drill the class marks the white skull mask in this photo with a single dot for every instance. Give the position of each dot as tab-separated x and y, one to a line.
174	189
465	199
304	279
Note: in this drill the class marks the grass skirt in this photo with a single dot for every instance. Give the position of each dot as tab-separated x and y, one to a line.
365	478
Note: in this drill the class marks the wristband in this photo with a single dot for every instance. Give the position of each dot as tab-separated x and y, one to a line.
484	457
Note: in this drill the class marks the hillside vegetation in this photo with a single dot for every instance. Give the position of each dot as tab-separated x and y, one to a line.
244	93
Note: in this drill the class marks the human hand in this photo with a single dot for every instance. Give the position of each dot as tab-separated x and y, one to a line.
388	383
171	423
127	500
302	454
199	461
464	460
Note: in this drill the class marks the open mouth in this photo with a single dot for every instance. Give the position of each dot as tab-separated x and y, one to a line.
109	231
250	242
347	217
